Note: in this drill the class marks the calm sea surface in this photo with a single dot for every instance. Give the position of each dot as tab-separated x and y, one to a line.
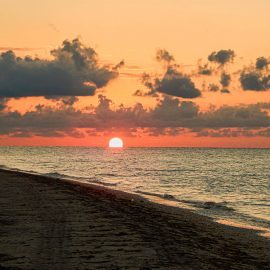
226	184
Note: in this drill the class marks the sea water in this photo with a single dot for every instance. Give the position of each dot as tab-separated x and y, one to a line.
231	185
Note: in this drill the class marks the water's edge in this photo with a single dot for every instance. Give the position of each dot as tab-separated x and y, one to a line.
164	201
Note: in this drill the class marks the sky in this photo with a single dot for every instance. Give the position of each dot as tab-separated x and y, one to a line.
92	86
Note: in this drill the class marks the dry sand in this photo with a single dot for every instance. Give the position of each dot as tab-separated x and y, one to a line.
48	224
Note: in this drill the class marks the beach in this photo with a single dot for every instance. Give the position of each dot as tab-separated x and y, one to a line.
47	223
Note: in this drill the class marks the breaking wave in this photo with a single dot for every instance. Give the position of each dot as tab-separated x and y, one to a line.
198	204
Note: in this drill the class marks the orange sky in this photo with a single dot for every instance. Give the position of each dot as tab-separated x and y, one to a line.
133	30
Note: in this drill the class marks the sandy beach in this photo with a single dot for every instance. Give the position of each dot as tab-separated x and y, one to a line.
51	224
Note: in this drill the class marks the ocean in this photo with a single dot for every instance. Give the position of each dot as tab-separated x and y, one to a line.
230	185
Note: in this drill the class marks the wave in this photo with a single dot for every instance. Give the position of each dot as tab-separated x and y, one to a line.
4	167
210	205
107	174
198	204
55	175
107	184
155	194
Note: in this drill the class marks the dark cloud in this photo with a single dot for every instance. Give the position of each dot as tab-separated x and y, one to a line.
256	78
170	111
164	56
262	63
138	93
66	101
73	71
170	116
222	57
173	83
213	87
225	91
225	79
236	132
119	65
249	116
254	81
177	84
205	70
262	105
3	103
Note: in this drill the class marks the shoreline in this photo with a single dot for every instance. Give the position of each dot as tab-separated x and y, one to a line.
178	236
158	200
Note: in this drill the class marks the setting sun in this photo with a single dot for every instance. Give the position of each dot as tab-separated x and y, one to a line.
116	143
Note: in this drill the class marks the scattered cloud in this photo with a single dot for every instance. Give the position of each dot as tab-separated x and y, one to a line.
205	70
173	82
254	81
213	87
262	63
164	56
225	91
176	84
225	79
222	57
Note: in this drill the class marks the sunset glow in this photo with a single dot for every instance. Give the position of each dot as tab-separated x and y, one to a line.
73	84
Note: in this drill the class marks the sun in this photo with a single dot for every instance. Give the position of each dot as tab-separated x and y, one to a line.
116	143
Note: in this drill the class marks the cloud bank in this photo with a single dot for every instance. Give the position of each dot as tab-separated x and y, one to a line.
170	116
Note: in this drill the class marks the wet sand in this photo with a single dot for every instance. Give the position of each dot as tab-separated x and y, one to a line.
48	224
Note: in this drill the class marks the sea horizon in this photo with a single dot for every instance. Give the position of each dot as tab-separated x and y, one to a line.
126	147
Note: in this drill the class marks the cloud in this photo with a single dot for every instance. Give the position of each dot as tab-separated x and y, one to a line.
256	77
262	105
68	101
222	57
225	79
177	84
254	81
73	71
171	112
205	70
170	116
262	63
244	116
173	83
236	132
225	91
3	103
213	87
164	56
